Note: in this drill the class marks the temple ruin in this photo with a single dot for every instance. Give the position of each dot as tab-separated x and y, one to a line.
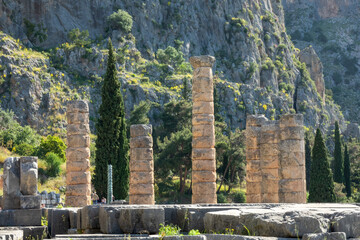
275	156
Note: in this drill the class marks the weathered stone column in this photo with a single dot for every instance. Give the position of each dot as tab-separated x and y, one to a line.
78	179
253	162
292	186
203	129
269	155
141	188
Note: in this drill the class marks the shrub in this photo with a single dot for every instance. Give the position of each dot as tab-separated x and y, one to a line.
239	197
52	144
120	20
168	230
194	232
53	163
79	38
170	56
24	149
221	198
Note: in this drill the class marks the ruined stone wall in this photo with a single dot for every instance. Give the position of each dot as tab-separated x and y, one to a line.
203	129
275	155
78	178
141	188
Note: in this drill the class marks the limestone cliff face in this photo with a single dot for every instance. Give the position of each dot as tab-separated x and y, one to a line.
257	69
331	27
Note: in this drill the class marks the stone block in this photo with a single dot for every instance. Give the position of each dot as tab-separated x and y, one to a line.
141	154
145	189
141	142
270	197
253	176
253	187
269	150
253	198
30	202
203	176
59	221
77	106
77	154
203	108
203	96
325	236
348	222
292	159
108	219
20	217
203	130
270	174
77	118
202	72
203	119
11	184
292	185
78	166
293	172
142	199
11	234
269	162
269	138
76	129
204	187
140	130
251	142
141	177
270	186
292	133
202	61
203	142
90	217
78	190
204	165
255	120
252	154
292	197
202	85
73	178
77	201
137	220
204	198
292	146
78	141
203	153
28	175
141	165
291	120
73	217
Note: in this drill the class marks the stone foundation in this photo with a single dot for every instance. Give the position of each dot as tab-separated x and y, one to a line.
275	155
78	179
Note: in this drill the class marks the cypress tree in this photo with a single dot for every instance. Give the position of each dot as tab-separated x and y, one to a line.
338	160
307	161
321	187
111	144
347	172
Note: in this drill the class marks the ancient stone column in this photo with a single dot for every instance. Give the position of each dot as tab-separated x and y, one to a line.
253	162
203	129
141	188
78	179
292	186
269	164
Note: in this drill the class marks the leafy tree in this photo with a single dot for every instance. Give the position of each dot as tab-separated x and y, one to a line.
321	187
24	149
79	38
53	163
307	161
120	20
338	159
111	144
186	90
170	56
52	144
139	115
175	156
347	177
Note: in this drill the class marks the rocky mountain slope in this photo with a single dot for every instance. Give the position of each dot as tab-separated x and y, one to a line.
257	69
332	28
